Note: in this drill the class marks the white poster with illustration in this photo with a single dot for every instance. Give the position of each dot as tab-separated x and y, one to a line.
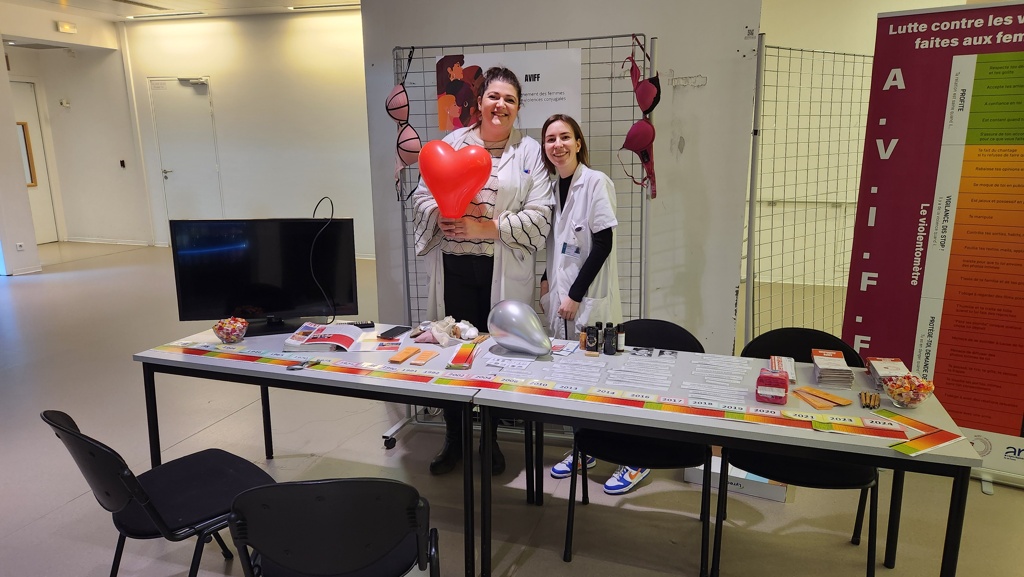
550	80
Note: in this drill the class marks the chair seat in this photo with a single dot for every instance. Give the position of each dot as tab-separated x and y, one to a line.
398	561
639	451
189	491
804	472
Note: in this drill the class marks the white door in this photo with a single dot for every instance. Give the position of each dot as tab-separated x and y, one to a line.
183	114
39	198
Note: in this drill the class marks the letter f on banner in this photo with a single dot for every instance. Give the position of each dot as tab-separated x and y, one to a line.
868	279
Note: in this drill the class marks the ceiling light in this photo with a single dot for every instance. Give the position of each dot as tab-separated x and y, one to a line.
345	6
167	15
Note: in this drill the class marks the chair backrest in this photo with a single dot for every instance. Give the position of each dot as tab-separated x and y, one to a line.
797	342
102	467
661	335
333	526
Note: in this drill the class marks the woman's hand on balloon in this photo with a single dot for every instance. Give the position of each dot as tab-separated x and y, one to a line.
468	228
545	288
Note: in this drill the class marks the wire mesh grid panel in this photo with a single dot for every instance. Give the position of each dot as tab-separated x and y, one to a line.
608	110
813	113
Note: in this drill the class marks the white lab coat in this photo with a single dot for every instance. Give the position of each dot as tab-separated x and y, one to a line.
524	188
589	208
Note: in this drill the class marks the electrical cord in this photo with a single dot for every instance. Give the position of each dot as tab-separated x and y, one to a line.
312	245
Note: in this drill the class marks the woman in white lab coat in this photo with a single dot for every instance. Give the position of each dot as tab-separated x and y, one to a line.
489	254
581	284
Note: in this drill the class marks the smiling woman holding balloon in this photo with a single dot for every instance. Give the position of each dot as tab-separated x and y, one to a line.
481	212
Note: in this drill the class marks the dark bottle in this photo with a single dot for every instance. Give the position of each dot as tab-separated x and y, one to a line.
610	339
592	338
600	335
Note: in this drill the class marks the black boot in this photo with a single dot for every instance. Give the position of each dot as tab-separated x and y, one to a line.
497	459
447	458
451	451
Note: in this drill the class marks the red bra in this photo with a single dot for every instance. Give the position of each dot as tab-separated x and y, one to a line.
640	138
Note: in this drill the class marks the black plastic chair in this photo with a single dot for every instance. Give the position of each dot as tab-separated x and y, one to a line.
189	496
639	450
797	343
338	527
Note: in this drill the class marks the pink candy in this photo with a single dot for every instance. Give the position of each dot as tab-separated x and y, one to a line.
231	330
907	391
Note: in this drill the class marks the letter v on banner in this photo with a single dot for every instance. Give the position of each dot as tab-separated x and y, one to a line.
884	152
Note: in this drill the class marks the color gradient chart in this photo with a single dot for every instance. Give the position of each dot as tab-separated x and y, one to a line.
972	309
758	415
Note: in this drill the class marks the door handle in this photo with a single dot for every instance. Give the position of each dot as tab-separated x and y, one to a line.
166	172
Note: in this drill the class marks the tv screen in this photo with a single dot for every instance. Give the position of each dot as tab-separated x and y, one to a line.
264	270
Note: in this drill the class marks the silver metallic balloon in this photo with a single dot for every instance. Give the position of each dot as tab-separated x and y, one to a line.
516	326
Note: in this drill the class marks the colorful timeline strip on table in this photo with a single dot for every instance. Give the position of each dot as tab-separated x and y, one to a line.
932	439
880	428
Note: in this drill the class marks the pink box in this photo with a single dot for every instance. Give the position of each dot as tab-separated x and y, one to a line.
772	387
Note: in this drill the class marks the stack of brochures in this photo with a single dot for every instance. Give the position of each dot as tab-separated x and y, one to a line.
883	367
831	370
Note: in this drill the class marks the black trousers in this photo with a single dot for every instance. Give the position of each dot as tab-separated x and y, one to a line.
467	297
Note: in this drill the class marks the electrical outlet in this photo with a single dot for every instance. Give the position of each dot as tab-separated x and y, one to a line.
19	245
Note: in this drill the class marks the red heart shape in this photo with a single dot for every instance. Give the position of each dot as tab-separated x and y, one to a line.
454	176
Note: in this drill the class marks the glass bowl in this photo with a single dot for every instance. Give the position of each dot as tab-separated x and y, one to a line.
908	391
230	330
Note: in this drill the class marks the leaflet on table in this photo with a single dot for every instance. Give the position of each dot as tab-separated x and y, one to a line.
560	348
317	337
925	443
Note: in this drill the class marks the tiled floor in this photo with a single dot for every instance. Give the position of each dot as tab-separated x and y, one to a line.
67	335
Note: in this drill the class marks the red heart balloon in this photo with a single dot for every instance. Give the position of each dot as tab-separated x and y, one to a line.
454	176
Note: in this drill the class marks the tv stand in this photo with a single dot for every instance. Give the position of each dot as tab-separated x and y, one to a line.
273	326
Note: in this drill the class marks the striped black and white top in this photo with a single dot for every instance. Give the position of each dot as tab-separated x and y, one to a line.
524	230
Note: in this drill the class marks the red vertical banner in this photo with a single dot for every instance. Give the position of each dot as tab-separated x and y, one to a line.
938	250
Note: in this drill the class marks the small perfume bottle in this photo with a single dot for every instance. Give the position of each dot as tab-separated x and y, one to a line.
610	339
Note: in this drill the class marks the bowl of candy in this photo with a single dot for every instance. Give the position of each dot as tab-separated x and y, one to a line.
230	330
907	391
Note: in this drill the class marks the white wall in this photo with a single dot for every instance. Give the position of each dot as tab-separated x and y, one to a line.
289	105
21	22
99	200
15	213
701	152
832	25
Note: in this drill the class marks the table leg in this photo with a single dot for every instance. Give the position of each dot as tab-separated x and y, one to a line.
528	446
485	493
892	534
955	522
538	466
268	436
149	385
467	484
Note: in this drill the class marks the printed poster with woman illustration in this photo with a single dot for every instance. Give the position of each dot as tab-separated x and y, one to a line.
550	78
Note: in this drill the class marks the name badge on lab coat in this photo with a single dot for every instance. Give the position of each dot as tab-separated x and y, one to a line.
570	250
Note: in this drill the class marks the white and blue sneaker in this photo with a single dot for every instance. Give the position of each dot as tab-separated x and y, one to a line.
564	469
624	479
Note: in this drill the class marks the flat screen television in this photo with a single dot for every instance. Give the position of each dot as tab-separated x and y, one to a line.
267	271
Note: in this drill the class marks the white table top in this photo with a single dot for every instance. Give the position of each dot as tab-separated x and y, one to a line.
960	453
275	343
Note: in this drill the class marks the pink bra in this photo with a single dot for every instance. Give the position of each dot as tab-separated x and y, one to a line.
408	145
640	138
